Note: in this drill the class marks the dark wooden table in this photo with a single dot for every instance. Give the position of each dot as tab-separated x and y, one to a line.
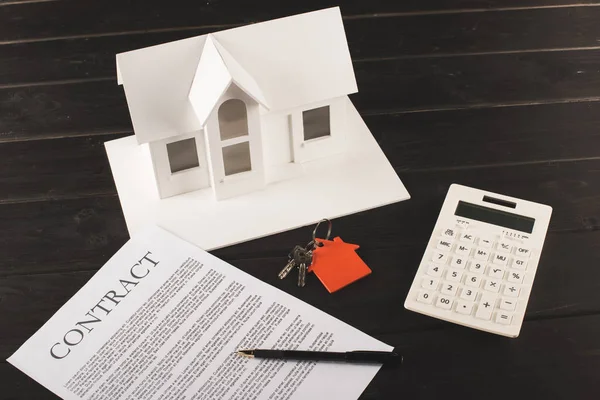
499	95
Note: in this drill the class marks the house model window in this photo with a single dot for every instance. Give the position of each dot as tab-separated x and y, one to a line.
316	123
235	141
182	155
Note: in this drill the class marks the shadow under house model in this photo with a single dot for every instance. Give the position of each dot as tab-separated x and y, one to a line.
242	108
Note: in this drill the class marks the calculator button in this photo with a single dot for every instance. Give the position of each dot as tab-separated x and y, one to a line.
485	307
512	290
463	250
464	307
435	270
523	251
444	302
458	262
444	244
481	254
519	263
515	277
467	237
504	246
468	294
449	288
508	304
477	266
439	257
486	241
492	285
454	275
473	280
430	283
500	259
425	297
496	272
449	233
503	318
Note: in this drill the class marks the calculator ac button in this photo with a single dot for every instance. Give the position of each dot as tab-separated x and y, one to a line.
454	275
503	318
523	251
468	294
508	304
425	296
459	262
449	233
430	283
464	307
444	302
512	290
467	237
444	244
449	288
477	266
435	270
492	285
481	254
519	263
463	250
473	280
500	259
515	276
504	246
439	257
496	272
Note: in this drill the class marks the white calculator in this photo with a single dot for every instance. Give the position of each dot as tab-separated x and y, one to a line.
479	265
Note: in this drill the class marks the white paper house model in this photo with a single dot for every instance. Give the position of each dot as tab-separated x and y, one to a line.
234	110
247	132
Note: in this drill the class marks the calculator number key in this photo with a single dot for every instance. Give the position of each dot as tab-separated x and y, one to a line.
430	283
492	285
464	307
425	297
481	254
473	280
496	272
449	288
454	275
500	259
439	257
444	302
477	266
463	250
458	262
468	294
435	270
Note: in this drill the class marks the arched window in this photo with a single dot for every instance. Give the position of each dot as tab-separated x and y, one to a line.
233	125
233	119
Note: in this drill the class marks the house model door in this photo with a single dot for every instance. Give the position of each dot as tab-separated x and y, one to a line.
234	139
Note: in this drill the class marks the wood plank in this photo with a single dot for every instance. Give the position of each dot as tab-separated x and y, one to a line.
522	30
555	359
385	86
81	234
69	18
374	304
42	170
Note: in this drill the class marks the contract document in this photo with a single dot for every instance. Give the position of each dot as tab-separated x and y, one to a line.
162	319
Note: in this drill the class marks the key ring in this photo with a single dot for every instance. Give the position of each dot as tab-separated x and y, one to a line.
314	235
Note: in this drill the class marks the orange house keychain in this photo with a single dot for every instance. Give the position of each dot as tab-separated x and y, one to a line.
334	262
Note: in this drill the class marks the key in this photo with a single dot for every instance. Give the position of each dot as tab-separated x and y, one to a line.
485	307
486	241
496	272
504	246
503	318
444	302
467	237
515	276
468	294
473	280
508	304
425	297
430	283
444	244
435	270
523	251
481	254
512	290
500	259
454	275
439	257
458	262
464	307
519	263
449	288
492	285
450	233
291	263
302	275
477	266
463	250
303	259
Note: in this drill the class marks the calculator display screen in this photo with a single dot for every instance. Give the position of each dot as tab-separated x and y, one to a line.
495	217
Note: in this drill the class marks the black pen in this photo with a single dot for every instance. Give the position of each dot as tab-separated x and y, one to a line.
359	356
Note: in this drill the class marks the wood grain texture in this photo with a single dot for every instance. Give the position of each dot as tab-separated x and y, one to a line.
384	87
407	36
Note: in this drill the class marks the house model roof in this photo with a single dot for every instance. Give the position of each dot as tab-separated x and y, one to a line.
282	64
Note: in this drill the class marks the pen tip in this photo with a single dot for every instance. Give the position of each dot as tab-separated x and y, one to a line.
246	353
